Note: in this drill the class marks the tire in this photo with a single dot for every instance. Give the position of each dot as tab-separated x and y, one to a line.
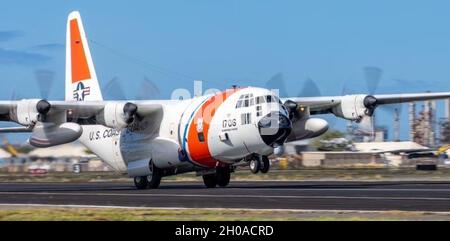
254	165
265	164
141	182
210	180
223	176
154	179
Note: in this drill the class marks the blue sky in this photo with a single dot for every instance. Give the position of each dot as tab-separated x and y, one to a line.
233	42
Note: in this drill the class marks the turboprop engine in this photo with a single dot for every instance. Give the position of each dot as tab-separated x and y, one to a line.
117	115
355	107
33	114
29	111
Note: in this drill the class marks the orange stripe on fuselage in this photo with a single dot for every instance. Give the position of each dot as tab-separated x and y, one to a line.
199	151
80	67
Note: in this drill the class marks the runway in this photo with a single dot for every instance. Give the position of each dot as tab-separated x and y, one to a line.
382	196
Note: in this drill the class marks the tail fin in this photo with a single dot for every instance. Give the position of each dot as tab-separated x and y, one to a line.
81	79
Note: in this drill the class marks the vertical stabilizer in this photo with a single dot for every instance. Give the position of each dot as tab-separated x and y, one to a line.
81	79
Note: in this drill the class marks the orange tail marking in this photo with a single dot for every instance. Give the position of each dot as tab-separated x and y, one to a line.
80	67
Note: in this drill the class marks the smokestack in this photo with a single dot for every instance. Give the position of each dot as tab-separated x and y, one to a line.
412	120
432	123
396	125
426	122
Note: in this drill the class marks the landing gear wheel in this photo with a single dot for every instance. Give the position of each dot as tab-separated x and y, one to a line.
223	176
141	182
265	164
254	165
154	179
210	180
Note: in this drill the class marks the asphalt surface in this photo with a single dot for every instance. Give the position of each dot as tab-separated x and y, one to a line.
406	196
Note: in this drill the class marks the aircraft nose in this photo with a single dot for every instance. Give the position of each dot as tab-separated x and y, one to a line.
274	128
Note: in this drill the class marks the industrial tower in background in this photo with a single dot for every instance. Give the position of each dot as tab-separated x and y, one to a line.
444	125
423	124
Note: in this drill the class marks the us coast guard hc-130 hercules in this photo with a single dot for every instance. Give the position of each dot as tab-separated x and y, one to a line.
210	134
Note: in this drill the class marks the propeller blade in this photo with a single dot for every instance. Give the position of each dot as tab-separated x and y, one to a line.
346	90
113	90
310	89
45	79
392	108
372	76
14	97
277	83
148	90
365	124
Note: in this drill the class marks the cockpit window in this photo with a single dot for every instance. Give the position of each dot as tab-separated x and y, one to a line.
248	100
260	100
277	99
239	104
272	99
245	101
268	99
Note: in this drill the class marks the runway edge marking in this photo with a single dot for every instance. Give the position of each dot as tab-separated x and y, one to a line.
222	209
227	196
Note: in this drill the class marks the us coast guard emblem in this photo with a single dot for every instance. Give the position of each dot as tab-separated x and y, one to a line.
81	91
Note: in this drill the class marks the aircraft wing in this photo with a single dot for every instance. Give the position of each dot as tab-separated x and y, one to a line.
354	107
316	104
114	114
88	109
53	123
402	98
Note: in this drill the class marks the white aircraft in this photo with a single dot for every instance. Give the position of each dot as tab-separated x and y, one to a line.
210	134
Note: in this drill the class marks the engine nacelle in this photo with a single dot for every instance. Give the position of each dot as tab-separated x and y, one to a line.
307	128
117	115
50	134
352	107
26	112
139	168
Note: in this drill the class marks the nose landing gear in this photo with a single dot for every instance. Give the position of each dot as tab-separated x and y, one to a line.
265	164
259	163
254	165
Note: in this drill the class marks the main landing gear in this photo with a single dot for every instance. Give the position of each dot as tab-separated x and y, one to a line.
151	181
220	178
259	163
